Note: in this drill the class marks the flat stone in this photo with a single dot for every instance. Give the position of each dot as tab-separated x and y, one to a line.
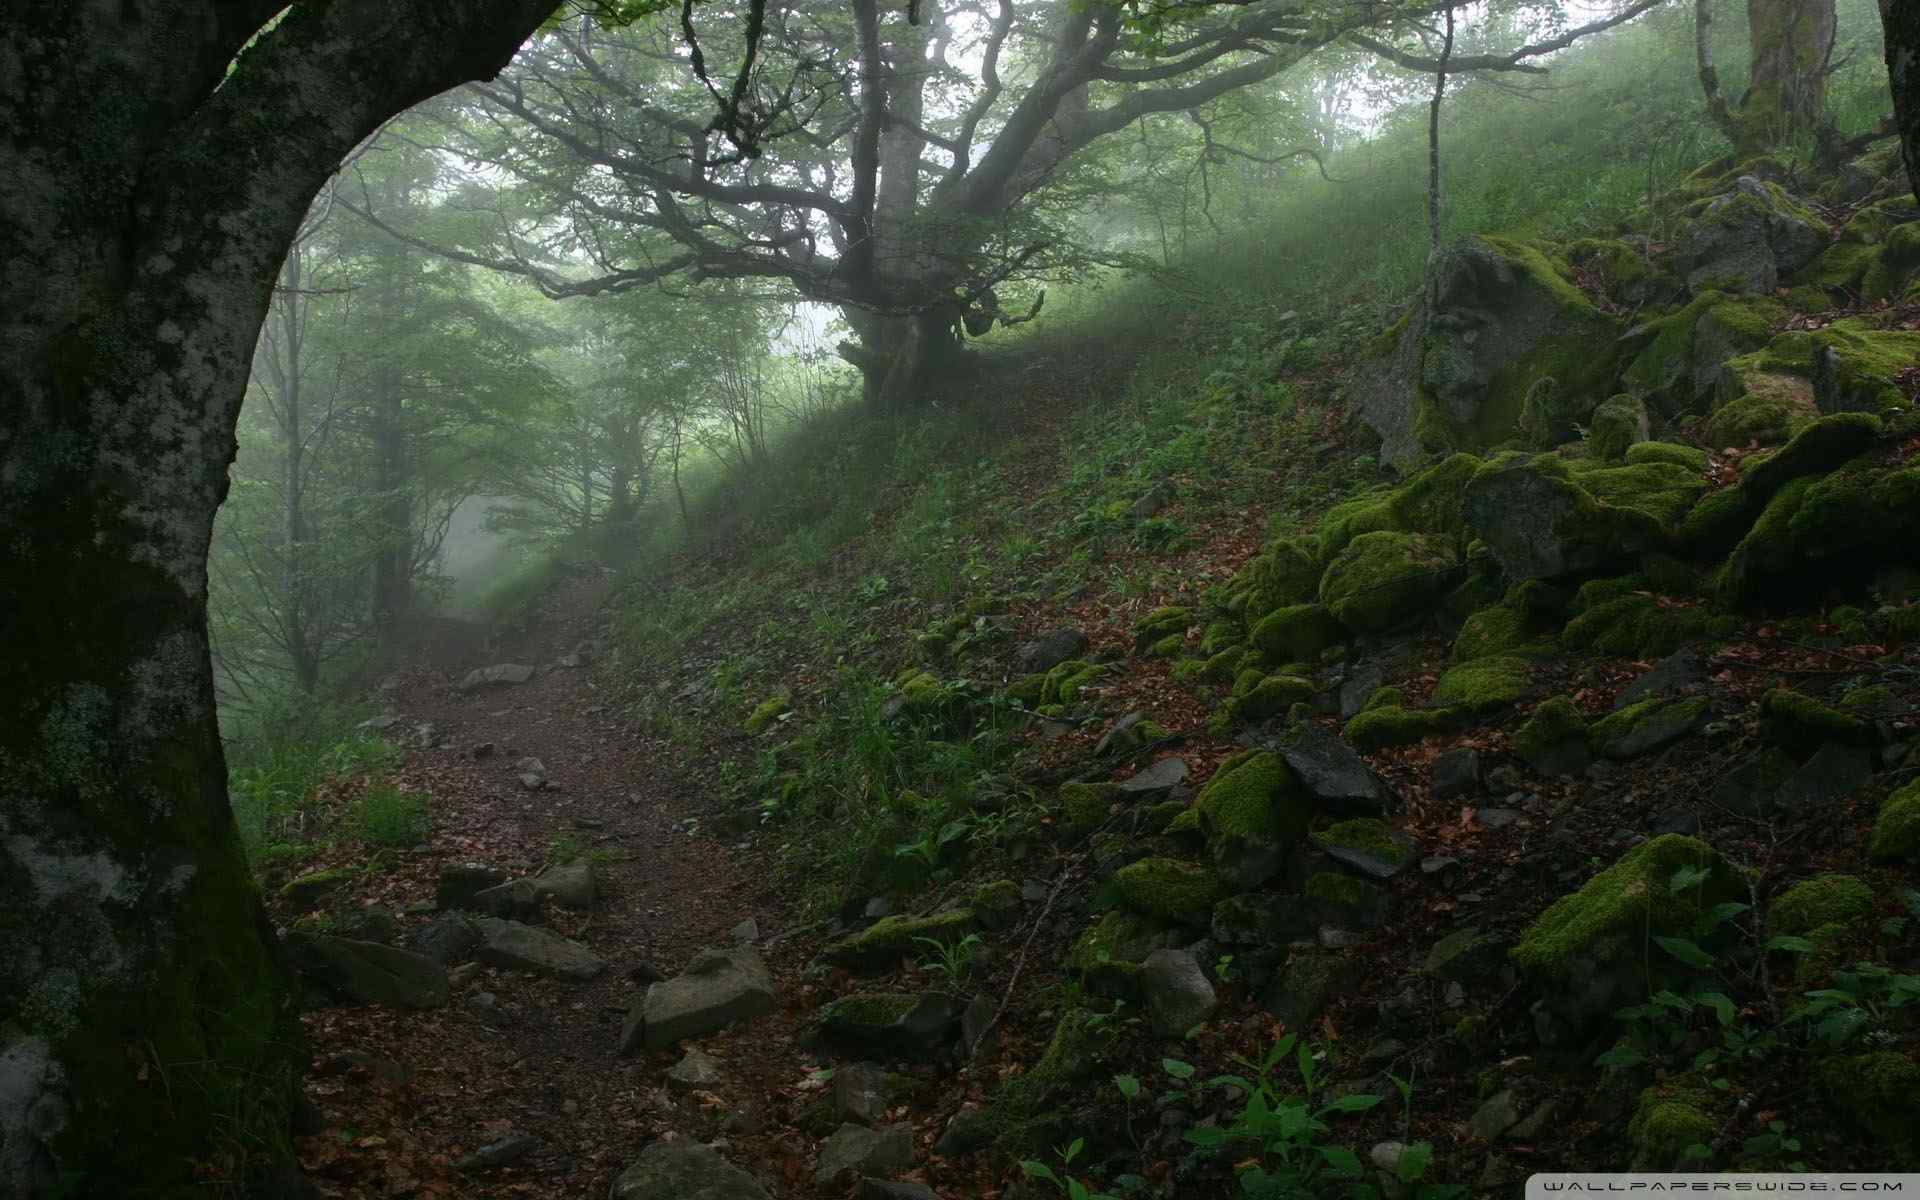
459	883
1456	773
368	972
1677	672
696	1071
1049	650
1332	771
514	900
532	773
525	948
448	939
719	988
508	1150
683	1170
1120	735
1359	685
857	1150
1178	996
572	885
1157	779
860	1093
498	675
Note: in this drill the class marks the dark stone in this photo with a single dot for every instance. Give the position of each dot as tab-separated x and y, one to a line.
368	972
1330	769
860	1093
1299	992
508	1150
514	900
1835	772
1456	773
968	1131
1359	685
1675	820
684	1170
1678	672
1049	650
1156	780
857	1150
461	882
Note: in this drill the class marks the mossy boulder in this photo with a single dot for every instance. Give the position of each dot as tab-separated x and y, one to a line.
1270	696
1747	239
1588	953
1760	407
1821	534
1878	1093
1467	955
995	905
1500	631
1430	501
883	1024
1647	726
1369	512
1285	572
1539	523
1680	362
1640	625
1671	453
1344	901
1500	315
1661	491
1379	727
1800	725
1298	633
1554	738
768	711
1157	626
1253	811
1821	447
1485	685
1671	1121
1084	806
1386	579
1368	845
1896	830
1169	888
1063	682
305	892
1821	900
1107	956
888	940
1617	425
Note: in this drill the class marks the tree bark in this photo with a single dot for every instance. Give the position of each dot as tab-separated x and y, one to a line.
1792	42
1900	19
148	1043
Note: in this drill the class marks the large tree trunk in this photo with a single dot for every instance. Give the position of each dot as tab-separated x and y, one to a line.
146	1029
1786	97
904	360
1901	21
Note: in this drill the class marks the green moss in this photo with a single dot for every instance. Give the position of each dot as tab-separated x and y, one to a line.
1168	646
765	713
1083	806
1391	725
1222	666
1618	424
1768	409
1168	887
1821	447
1634	898
308	890
1896	830
1368	835
1254	796
1298	633
1384	697
1107	956
1221	635
1029	690
1663	491
1669	453
1382	580
1638	626
1000	895
1893	267
1371	512
1647	726
1801	725
1332	887
1502	630
1716	524
1671	1119
1483	686
1286	571
1430	501
1822	900
1879	1092
1065	681
1187	820
1869	702
890	939
1273	695
1154	629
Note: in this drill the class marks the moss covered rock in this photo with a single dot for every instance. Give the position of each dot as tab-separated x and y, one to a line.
888	940
1343	901
1670	453
1107	956
1084	806
767	712
1879	1095
1368	845
1298	633
306	891
1616	426
1386	579
1153	630
1801	725
1553	740
1672	1122
1647	726
1485	685
1539	523
1270	696
1748	238
1253	811
1682	352
1500	316
1169	888
1896	830
1822	900
1588	953
1285	572
1381	726
1642	626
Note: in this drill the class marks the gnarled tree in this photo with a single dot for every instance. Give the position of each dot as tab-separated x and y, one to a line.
1786	96
159	156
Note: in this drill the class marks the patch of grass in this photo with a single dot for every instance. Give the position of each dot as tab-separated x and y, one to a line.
387	816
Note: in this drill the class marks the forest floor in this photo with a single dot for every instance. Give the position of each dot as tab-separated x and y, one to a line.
406	1094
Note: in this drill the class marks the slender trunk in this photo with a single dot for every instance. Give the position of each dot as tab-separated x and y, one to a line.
1900	19
393	563
296	602
155	175
1433	140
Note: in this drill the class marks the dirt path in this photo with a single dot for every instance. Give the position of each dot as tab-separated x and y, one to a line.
406	1095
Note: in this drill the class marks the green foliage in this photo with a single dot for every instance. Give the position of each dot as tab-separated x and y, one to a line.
387	816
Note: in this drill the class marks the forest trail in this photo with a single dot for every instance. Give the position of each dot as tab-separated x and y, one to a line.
407	1095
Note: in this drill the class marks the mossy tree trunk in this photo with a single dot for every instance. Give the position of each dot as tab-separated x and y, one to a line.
1901	22
156	167
1786	97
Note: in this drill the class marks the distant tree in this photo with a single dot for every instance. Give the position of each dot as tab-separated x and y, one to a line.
1792	53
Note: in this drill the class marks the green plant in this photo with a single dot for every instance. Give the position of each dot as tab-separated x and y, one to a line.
388	816
1287	1124
1857	1007
564	848
1776	1147
951	960
1069	1187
